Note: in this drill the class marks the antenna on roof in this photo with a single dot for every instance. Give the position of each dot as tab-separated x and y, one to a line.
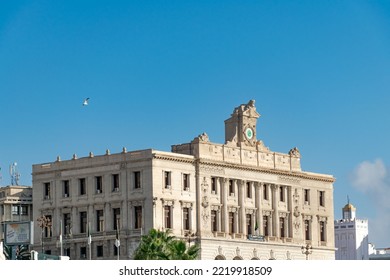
15	175
347	199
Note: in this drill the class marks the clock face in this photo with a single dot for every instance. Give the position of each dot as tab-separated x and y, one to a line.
249	133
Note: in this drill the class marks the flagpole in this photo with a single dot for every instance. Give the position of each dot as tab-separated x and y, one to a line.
89	242
61	245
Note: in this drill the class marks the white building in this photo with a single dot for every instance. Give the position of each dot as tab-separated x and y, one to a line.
351	236
239	199
15	206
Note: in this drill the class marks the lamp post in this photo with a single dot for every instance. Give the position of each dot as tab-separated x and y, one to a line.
307	250
190	236
43	222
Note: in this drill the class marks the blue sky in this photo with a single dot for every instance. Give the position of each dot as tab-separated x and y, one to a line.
161	72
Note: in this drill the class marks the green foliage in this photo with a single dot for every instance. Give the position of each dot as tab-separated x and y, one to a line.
161	245
22	252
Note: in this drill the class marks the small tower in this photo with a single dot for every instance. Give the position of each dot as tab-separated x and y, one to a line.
349	212
240	128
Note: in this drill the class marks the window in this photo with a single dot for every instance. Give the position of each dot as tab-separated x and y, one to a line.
67	252
282	227
214	221
322	231
99	220
265	192
46	191
115	182
186	182
15	209
167	179
248	223
167	216
65	188
248	190
2	210
99	184
137	179
213	185
24	210
99	251
82	186
281	193
83	253
231	223
186	218
67	224
231	188
307	230
322	198
117	218
306	196
137	217
83	222
265	226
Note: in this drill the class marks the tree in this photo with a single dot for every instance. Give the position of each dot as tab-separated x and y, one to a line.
22	252
161	245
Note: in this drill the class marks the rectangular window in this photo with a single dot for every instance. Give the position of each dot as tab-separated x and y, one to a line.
15	209
265	192
231	188
214	221
306	196
46	191
99	184
186	218
248	190
213	185
65	188
66	224
82	186
281	193
322	231
167	216
117	218
282	227
137	179
115	182
83	222
265	226
99	220
231	223
83	253
249	223
307	230
137	217
99	251
167	179
24	210
67	252
186	182
322	198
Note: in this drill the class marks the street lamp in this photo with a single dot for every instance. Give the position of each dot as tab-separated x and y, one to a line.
190	236
307	250
43	222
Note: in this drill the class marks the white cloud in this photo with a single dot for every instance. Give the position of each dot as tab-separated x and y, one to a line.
372	179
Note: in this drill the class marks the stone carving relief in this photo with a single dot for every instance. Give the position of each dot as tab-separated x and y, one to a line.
205	203
294	152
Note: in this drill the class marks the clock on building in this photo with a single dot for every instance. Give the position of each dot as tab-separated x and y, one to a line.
249	133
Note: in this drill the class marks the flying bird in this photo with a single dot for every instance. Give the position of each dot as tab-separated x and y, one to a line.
85	103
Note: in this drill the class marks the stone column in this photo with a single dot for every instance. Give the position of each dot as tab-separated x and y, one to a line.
259	214
241	204
275	216
225	214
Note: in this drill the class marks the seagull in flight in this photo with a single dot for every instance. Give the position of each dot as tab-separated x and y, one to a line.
85	103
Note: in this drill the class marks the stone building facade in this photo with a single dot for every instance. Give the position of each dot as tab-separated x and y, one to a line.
15	206
238	200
